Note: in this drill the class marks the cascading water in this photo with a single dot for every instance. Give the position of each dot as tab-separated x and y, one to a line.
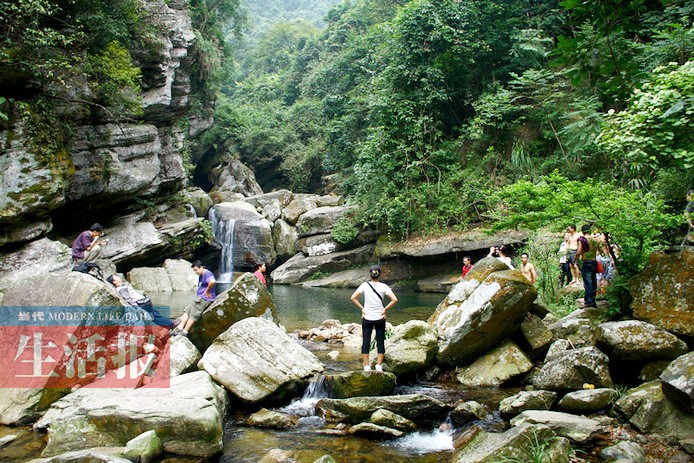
224	235
305	407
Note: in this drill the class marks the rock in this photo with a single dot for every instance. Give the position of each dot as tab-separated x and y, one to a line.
455	242
652	370
131	239
392	420
320	220
344	279
480	311
187	417
38	257
678	381
580	332
527	400
272	211
265	418
371	430
300	268
260	201
4	440
360	383
285	238
556	348
629	451
296	208
325	459
519	443
317	245
181	274
588	400
495	367
418	408
200	201
539	310
277	456
23	406
144	448
647	409
636	340
412	347
235	177
83	456
150	279
437	283
576	428
247	297
334	355
330	200
21	233
574	368
536	337
256	360
664	290
465	412
62	289
183	355
252	233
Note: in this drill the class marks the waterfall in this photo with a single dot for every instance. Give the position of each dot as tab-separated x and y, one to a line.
306	406
224	235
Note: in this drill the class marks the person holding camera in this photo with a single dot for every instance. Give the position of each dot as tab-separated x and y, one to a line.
501	253
85	247
373	314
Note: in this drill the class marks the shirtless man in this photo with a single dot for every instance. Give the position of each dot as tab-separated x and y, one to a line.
528	269
573	249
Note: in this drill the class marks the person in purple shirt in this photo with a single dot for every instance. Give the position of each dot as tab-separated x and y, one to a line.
85	247
205	296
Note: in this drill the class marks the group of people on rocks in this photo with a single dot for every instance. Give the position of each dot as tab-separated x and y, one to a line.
87	248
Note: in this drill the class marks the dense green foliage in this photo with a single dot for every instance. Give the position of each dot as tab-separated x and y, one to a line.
420	110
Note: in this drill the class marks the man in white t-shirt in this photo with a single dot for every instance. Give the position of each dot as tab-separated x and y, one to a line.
373	314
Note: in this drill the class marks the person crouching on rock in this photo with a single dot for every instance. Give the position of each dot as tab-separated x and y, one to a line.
205	297
373	315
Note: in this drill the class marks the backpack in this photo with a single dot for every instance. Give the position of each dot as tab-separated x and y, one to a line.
89	268
584	242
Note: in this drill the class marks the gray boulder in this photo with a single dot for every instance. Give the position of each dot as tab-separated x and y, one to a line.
588	400
285	238
624	451
456	242
345	279
576	428
247	297
260	201
181	274
647	409
527	400
256	360
580	332
235	177
38	257
465	412
200	201
483	309
437	283
272	211
536	337
21	233
62	289
252	233
664	290
320	220
298	206
144	448
330	200
183	355
678	381
392	420
495	367
411	348
132	237
556	348
150	279
574	368
637	340
371	430
517	444
187	417
265	418
23	406
418	408
300	268
360	383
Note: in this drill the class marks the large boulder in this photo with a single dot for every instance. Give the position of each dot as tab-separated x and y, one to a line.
22	406
199	200
62	289
392	420
247	297
465	412
187	416
351	278
284	197
359	384
320	220
535	336
588	400
638	341
576	428
678	381
265	418
455	242
483	309
647	409
300	268
418	408
298	206
411	348
183	355
495	367
571	369
235	177
285	238
256	360
36	258
516	444
664	290
250	234
624	451
374	431
527	400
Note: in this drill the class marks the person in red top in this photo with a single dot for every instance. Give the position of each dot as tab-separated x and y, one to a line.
467	265
260	272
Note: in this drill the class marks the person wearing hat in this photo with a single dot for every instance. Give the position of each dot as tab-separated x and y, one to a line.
373	314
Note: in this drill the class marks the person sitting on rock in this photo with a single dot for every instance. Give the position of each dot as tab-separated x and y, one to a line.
205	297
85	247
501	253
135	299
260	272
373	315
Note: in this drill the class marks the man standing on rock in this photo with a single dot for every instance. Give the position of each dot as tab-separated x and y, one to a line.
373	315
528	269
587	252
85	247
571	255
205	297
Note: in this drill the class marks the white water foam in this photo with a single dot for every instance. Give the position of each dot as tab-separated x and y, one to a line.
306	406
426	442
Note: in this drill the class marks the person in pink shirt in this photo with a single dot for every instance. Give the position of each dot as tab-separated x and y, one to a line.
260	272
467	265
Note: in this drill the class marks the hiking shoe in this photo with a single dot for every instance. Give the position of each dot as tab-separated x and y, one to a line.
367	367
379	367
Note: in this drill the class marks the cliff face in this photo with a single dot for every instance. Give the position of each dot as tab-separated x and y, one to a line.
107	163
